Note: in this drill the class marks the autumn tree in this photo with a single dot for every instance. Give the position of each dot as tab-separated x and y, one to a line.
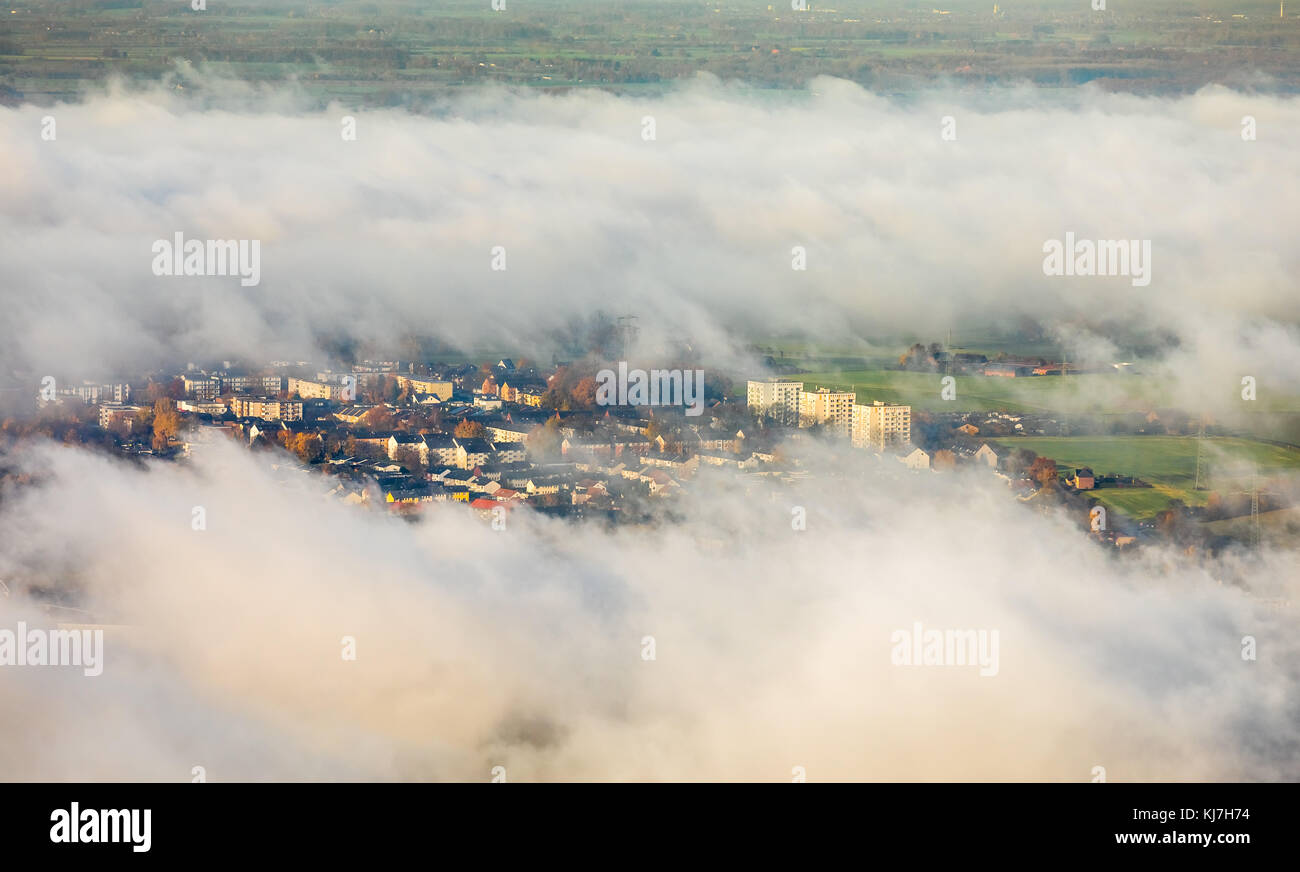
583	395
307	446
1043	471
166	422
379	418
468	429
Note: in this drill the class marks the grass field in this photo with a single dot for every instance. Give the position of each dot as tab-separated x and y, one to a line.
1167	462
1092	393
386	52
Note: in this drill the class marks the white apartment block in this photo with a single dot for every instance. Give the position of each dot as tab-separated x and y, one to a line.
510	452
267	410
99	393
261	383
111	413
215	408
440	389
880	425
202	388
311	390
775	398
825	406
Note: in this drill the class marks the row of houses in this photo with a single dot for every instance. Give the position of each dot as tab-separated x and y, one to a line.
462	452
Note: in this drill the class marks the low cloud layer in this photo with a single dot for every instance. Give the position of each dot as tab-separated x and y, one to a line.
694	231
523	648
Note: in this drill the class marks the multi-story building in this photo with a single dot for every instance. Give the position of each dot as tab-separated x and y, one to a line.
880	425
118	392
314	390
99	393
441	449
472	452
513	388
441	389
271	384
267	410
87	393
216	408
111	414
834	409
408	441
509	431
510	452
776	398
202	388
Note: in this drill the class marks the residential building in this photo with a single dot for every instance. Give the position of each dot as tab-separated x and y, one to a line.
440	449
880	425
267	410
775	398
472	452
509	431
441	389
918	459
112	413
315	390
987	455
513	388
509	452
202	388
216	408
413	441
833	409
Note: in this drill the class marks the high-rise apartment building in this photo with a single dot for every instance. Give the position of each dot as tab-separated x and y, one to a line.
879	425
776	398
834	409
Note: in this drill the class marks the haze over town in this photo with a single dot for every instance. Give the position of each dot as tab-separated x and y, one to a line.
396	434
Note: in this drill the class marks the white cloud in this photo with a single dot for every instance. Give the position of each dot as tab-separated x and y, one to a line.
523	648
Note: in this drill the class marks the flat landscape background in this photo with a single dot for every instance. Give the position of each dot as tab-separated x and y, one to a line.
400	52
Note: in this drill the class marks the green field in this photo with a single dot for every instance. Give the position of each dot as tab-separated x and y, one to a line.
1094	393
1166	462
404	52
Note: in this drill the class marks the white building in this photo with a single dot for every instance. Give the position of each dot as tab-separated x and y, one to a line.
880	425
215	408
775	398
987	455
825	406
202	388
918	459
267	410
